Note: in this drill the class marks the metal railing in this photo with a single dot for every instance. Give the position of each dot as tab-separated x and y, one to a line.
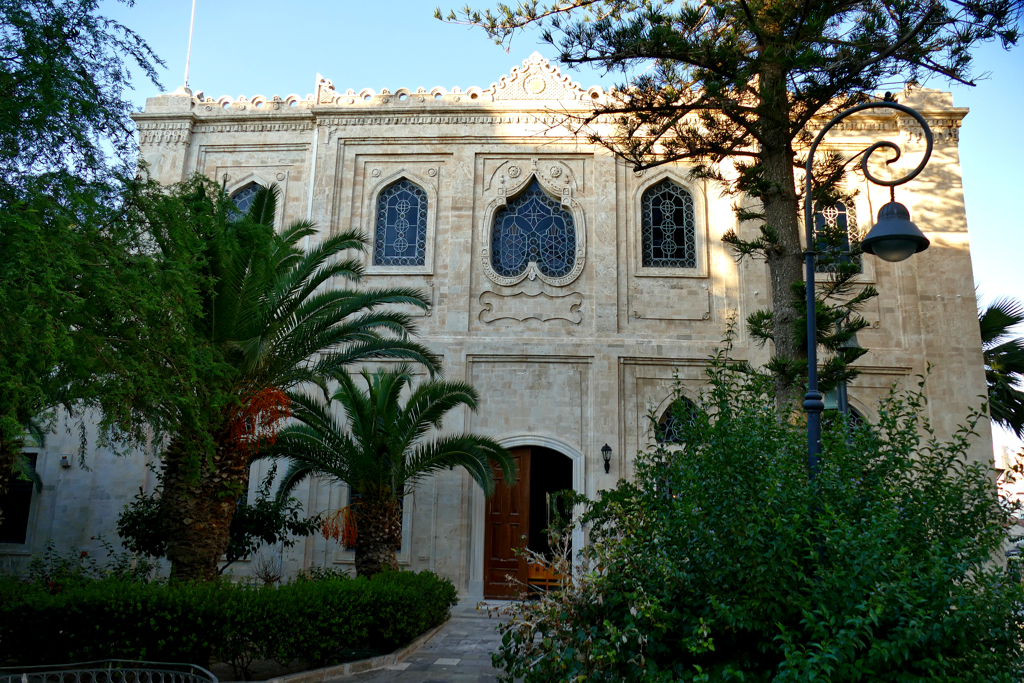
107	671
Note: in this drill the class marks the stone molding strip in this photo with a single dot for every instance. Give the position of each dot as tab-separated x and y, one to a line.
361	666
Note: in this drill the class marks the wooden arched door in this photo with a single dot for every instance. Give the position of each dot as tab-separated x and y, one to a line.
507	529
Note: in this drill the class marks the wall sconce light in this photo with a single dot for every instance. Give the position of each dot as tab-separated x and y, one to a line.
606	453
65	461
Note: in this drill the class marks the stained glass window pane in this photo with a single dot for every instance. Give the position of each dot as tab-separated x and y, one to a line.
668	227
669	427
838	222
243	199
533	228
401	234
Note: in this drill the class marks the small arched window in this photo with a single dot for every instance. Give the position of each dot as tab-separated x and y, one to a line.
668	226
533	227
244	198
834	225
400	238
669	426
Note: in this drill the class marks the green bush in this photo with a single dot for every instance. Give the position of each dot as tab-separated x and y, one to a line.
722	562
318	622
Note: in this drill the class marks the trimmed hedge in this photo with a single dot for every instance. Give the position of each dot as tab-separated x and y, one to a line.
318	622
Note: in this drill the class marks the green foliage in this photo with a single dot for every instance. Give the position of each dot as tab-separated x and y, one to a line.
267	520
316	622
1004	362
103	320
722	562
62	81
58	571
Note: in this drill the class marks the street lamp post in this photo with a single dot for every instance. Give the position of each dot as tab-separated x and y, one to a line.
893	238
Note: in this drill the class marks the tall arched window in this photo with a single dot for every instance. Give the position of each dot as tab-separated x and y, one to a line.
833	225
669	426
533	227
668	226
401	234
243	199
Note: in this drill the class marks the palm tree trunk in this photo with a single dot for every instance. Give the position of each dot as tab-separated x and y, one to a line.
197	505
9	450
378	535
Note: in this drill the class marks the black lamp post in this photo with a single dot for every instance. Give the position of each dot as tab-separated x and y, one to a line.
893	238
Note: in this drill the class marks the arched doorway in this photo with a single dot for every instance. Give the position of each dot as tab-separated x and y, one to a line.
517	515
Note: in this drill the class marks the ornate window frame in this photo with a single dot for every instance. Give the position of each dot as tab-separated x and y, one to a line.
700	215
375	188
511	184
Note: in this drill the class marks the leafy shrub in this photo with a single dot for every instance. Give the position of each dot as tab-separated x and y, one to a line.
722	562
315	622
267	520
56	570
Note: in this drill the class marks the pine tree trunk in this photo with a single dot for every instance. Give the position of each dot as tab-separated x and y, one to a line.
197	505
378	535
781	209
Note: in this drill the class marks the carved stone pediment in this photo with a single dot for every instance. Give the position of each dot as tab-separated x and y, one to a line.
537	79
522	306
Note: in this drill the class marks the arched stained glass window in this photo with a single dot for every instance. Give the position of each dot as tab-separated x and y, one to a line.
533	228
833	226
401	234
243	199
668	227
669	427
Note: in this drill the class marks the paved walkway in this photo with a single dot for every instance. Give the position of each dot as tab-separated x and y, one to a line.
459	653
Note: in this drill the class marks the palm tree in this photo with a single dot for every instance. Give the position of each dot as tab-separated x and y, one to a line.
1004	362
381	454
276	318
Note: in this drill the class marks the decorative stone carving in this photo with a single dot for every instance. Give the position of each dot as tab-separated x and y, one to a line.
522	306
499	193
325	93
555	171
164	132
537	79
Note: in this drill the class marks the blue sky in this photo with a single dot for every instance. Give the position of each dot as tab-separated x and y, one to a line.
275	48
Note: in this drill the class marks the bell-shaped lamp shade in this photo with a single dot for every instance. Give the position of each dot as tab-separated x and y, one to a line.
894	237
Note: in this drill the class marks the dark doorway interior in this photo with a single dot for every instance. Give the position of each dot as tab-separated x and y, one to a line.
550	471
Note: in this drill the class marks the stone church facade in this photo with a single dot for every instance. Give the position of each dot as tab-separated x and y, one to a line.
567	288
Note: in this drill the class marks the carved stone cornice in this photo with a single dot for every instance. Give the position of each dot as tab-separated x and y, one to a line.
164	133
268	126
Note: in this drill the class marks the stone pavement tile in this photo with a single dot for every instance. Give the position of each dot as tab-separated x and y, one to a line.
459	653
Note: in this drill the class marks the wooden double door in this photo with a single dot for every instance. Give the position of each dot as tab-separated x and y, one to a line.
517	516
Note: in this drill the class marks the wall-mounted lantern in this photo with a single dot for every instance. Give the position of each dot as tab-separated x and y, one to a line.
606	453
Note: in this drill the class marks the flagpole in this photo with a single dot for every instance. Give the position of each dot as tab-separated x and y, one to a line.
191	26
